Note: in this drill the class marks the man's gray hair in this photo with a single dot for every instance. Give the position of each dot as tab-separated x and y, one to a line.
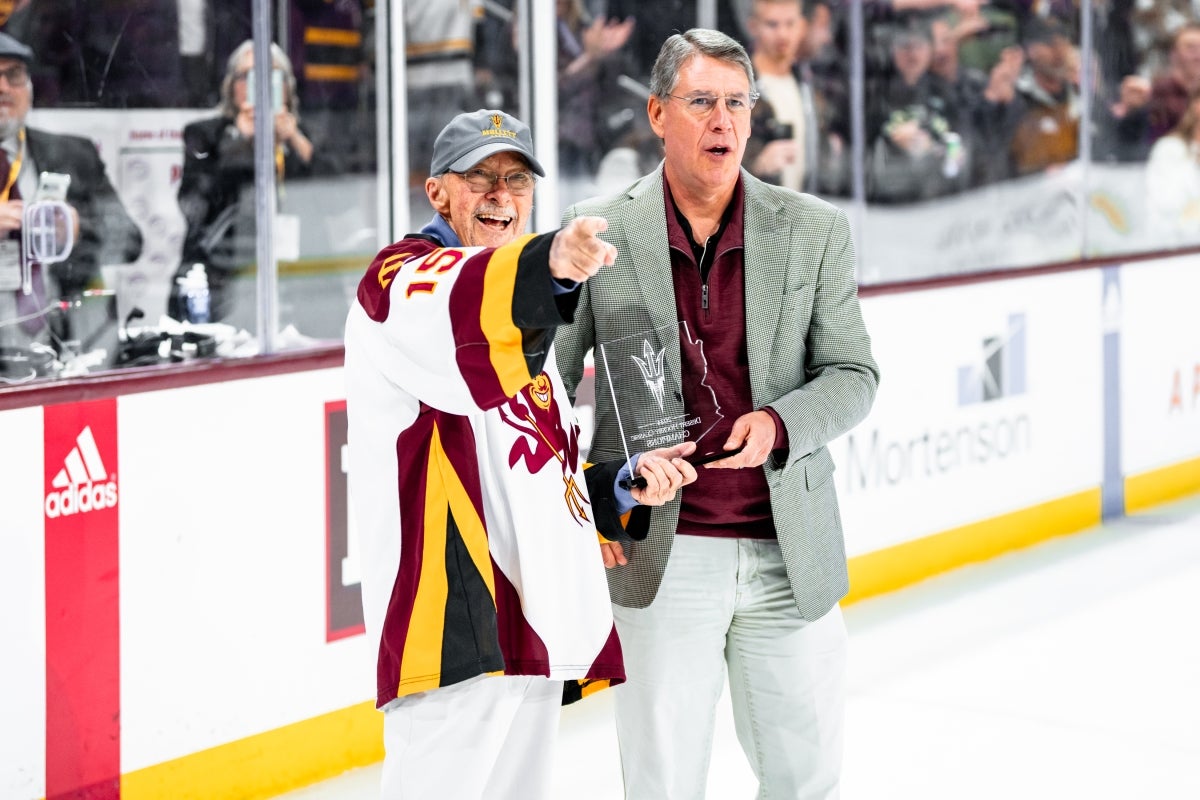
680	47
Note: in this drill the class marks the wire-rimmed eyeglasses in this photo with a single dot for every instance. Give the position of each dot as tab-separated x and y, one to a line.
481	180
16	75
701	104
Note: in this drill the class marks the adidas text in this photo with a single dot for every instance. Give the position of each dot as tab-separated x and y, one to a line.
81	498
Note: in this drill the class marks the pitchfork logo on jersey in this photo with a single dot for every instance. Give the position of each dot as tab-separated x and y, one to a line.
652	371
534	412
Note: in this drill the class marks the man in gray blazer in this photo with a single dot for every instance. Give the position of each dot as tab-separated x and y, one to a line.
745	570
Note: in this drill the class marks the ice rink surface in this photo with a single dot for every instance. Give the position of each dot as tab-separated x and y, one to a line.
1067	670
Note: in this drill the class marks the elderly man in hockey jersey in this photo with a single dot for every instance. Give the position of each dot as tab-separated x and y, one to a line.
483	588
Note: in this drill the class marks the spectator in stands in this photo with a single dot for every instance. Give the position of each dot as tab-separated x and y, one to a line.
1047	128
984	101
1173	182
594	112
915	151
103	230
825	54
326	48
586	80
1154	26
1172	89
439	54
818	30
216	191
789	143
981	32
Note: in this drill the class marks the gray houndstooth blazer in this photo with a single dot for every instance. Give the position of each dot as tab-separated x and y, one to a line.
810	360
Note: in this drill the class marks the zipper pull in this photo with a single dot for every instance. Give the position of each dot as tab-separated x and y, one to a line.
704	297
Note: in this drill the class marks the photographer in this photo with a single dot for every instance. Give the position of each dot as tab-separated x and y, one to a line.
102	231
216	192
789	144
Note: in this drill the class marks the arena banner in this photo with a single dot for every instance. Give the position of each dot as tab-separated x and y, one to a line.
83	660
1057	216
989	402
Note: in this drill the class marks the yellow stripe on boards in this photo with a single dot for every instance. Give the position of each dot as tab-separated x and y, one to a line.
267	764
1161	485
904	564
495	318
421	666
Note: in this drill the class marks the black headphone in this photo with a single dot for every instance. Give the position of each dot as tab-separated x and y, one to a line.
191	344
143	349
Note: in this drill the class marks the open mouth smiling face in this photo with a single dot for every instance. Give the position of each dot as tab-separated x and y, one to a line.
495	218
490	218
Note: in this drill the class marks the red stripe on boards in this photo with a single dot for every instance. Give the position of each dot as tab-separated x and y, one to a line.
83	675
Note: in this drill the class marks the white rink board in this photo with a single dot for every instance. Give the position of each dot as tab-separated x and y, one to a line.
932	455
1160	364
22	607
223	566
223	497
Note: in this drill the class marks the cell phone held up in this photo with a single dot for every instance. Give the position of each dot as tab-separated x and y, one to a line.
638	482
276	88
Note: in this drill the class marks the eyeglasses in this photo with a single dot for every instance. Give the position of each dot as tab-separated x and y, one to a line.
701	104
16	75
480	180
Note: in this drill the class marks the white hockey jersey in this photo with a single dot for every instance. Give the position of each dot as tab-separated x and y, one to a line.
478	539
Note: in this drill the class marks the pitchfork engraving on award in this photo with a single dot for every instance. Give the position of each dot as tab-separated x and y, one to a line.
639	374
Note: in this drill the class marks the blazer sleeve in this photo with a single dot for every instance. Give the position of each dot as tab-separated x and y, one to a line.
841	375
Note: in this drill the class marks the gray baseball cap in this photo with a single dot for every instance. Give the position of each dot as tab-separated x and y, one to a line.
11	48
471	137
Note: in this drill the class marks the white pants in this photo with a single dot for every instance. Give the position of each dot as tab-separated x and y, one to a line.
490	738
727	602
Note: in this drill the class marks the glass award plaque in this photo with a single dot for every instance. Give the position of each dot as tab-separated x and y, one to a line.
639	378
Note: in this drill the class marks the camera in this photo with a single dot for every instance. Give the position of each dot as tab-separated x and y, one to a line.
772	130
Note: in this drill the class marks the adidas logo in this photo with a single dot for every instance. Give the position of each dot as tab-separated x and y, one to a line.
82	484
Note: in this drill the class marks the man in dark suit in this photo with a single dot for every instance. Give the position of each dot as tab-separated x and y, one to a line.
744	571
103	230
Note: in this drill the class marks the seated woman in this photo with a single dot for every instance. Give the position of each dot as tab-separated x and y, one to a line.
216	192
1173	182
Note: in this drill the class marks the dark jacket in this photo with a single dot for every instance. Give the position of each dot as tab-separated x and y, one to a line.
216	196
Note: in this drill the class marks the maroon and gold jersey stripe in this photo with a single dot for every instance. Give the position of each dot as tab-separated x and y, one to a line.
446	576
490	356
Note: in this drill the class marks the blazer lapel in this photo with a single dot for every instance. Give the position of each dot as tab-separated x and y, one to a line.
646	229
768	236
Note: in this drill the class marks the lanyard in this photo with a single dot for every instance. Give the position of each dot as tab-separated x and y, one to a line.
15	169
